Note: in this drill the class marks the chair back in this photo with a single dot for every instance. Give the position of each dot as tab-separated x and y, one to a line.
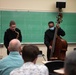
53	65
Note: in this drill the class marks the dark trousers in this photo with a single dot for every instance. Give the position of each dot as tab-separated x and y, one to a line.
8	52
48	54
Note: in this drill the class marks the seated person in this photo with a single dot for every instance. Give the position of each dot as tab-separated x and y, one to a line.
70	64
30	54
13	60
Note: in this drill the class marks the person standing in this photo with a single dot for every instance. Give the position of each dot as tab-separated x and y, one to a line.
11	33
49	35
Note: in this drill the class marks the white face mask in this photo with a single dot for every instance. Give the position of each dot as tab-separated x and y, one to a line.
52	28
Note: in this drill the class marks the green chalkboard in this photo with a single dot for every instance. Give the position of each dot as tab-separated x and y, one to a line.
0	29
34	24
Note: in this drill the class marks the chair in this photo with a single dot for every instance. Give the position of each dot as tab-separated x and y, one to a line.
53	65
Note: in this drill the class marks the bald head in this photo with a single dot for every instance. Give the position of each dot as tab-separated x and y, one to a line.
14	45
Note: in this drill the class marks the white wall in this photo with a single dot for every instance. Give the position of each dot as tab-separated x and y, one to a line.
36	5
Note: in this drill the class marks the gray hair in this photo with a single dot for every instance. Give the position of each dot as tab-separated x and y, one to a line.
70	64
14	45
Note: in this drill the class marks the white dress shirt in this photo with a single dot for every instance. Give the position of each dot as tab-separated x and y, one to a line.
30	68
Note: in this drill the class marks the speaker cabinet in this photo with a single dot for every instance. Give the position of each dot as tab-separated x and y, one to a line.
60	4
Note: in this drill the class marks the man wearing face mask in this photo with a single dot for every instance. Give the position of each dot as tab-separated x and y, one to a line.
12	33
49	35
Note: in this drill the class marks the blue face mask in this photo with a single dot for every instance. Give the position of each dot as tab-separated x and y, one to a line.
52	28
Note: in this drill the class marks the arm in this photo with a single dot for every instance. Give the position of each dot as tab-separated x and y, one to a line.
61	32
46	40
6	40
20	35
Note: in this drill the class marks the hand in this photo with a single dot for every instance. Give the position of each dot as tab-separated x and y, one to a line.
57	26
50	47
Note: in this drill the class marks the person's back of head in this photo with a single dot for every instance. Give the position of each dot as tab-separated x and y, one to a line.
70	64
30	53
14	45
